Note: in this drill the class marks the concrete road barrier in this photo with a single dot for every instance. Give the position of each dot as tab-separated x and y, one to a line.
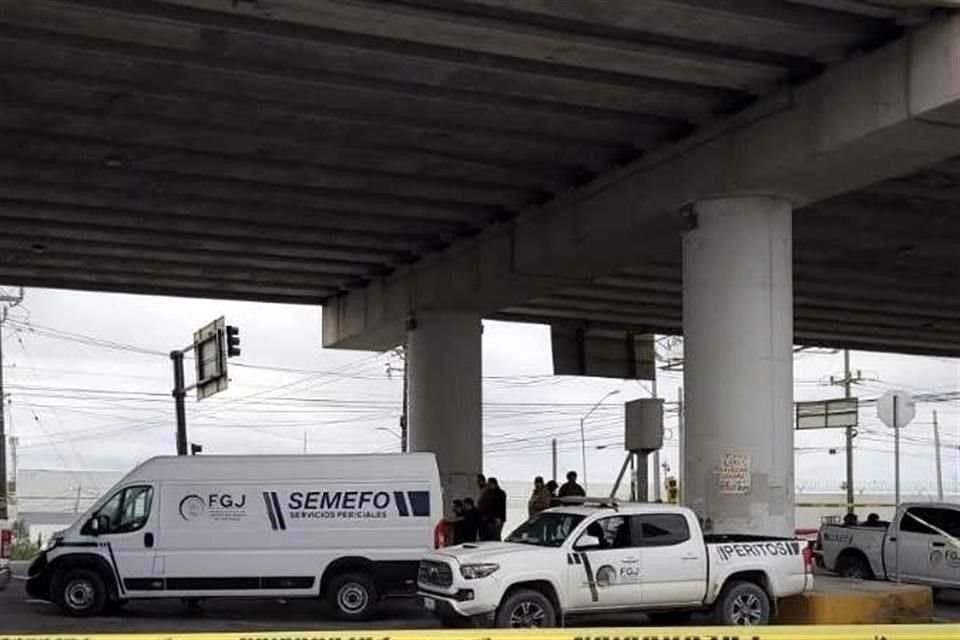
839	601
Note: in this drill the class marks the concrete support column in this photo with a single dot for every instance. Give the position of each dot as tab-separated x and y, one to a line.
445	396
738	365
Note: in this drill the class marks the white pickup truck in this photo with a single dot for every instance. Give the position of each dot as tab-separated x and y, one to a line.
651	558
924	536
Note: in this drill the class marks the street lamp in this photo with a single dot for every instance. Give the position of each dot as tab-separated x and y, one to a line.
583	439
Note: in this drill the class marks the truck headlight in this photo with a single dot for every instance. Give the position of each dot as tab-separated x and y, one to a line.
474	571
53	542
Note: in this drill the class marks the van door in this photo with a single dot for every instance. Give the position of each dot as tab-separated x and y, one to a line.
127	523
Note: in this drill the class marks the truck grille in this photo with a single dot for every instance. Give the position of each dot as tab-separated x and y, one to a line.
435	573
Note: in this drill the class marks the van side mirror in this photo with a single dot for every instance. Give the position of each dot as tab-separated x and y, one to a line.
94	526
587	541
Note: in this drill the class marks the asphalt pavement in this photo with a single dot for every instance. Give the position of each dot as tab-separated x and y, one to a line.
20	615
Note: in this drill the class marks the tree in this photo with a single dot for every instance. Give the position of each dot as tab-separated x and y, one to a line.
22	548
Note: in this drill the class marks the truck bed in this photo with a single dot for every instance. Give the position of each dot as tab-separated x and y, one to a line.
727	538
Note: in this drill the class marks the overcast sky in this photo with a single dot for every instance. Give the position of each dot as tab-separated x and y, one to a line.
89	380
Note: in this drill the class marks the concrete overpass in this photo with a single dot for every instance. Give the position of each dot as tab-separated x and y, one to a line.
752	174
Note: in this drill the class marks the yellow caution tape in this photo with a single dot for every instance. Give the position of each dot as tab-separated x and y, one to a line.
827	632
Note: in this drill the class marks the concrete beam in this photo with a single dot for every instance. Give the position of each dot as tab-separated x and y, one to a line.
886	114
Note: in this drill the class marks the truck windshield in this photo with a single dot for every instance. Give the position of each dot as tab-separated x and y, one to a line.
546	529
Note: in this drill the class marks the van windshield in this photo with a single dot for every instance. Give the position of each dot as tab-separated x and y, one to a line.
546	529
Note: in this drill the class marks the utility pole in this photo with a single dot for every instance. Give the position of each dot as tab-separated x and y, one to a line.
14	442
682	437
402	354
179	396
847	382
403	411
6	303
656	454
553	450
936	446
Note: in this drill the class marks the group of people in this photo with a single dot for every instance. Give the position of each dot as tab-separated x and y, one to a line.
546	495
873	520
483	519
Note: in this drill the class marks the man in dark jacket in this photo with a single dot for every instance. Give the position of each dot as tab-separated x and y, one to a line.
493	510
471	522
570	488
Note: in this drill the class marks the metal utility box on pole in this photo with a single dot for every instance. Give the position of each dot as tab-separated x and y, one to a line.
643	434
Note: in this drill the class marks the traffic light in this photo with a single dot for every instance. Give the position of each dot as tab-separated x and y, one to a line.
233	341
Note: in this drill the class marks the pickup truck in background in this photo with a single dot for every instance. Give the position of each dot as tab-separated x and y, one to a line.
924	536
650	558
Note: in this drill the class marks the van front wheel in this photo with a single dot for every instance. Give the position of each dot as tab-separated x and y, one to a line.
353	596
80	592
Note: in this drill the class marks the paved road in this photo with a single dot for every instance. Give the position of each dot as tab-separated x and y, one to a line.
22	615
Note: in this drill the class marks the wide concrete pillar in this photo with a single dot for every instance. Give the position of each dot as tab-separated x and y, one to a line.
445	396
738	365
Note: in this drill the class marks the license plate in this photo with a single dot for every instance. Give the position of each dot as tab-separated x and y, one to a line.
429	604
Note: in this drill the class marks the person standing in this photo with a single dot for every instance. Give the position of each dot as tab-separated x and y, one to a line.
570	488
539	499
493	510
552	487
458	522
471	521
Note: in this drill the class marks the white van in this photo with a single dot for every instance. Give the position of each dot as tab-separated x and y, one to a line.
348	528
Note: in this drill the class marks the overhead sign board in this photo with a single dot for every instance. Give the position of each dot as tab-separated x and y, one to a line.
211	359
827	414
896	409
579	351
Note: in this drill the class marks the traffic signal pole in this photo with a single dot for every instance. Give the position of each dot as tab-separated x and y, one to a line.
227	341
179	398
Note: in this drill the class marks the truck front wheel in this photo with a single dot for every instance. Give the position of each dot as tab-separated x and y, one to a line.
526	608
744	604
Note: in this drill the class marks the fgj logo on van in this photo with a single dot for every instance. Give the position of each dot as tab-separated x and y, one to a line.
344	505
217	506
192	507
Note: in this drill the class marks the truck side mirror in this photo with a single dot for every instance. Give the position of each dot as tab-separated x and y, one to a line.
587	541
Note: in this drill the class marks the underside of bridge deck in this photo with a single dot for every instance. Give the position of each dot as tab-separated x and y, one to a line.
308	150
